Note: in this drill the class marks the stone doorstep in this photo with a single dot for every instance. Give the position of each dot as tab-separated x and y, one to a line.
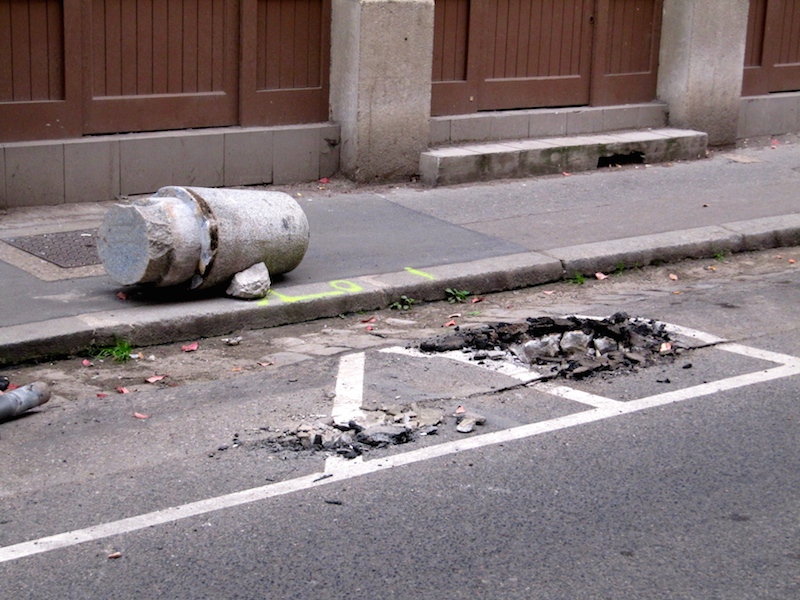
547	156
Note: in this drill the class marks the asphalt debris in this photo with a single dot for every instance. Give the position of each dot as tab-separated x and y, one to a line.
571	347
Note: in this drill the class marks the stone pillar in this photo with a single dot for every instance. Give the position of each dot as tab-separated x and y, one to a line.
701	64
381	63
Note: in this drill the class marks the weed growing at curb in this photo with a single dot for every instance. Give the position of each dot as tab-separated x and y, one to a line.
455	295
120	351
404	303
578	279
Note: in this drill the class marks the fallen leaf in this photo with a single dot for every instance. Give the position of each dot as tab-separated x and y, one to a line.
190	347
476	300
460	410
673	277
266	363
115	555
324	180
792	261
123	390
101	394
774	144
779	257
601	276
236	369
139	415
450	323
676	293
454	316
369	327
565	174
711	268
548	292
665	347
370	320
122	295
155	378
87	363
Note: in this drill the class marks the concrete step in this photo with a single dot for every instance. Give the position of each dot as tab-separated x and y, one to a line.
525	158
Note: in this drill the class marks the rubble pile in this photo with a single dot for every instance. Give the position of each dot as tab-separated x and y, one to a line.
572	347
379	428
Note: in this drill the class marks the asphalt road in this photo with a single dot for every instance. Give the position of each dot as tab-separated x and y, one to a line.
668	487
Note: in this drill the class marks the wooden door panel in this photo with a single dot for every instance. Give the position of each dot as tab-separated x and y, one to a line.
40	75
160	64
772	52
625	68
285	61
537	53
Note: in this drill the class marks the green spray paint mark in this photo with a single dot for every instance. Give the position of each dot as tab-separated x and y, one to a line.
420	273
340	286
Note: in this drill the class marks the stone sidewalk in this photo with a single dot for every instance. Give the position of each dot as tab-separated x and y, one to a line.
369	246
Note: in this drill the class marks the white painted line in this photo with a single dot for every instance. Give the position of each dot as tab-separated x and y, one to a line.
73	538
781	359
349	389
504	367
569	393
700	336
350	370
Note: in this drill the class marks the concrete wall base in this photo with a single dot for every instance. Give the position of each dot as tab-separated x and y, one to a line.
101	168
545	122
773	114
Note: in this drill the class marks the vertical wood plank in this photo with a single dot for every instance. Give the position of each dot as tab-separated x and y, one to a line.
205	46
55	51
144	52
21	47
128	41
174	46
300	47
189	54
6	50
160	45
315	45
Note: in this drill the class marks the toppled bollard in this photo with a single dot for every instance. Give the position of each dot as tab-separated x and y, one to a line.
201	236
23	398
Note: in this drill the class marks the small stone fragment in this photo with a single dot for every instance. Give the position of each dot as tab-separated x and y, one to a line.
251	283
466	425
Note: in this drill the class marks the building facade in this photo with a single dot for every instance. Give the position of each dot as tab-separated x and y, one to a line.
108	98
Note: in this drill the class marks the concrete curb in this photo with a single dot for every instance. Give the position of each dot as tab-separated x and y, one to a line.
160	324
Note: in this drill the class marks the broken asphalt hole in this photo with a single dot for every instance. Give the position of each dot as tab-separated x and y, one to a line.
569	347
617	160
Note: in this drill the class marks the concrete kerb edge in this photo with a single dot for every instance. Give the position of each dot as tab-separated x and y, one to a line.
640	251
143	326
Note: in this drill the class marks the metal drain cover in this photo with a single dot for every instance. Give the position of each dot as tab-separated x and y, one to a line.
67	249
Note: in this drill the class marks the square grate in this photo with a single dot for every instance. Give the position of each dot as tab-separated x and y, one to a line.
66	249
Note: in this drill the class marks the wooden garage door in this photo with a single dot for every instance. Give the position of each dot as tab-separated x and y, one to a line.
73	67
505	54
772	55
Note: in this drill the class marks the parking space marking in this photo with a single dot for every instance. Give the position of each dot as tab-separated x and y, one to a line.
568	393
349	389
521	373
352	371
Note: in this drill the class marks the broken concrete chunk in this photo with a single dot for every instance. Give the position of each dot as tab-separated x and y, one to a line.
384	435
466	425
251	283
575	342
547	346
604	345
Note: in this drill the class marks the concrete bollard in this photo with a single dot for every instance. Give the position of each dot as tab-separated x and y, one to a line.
24	398
201	236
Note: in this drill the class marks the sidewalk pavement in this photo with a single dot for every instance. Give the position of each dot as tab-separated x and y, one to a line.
367	248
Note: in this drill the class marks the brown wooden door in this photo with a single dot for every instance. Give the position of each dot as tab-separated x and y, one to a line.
160	64
285	59
40	97
505	54
772	54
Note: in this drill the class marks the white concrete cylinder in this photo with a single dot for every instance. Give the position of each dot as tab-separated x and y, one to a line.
201	236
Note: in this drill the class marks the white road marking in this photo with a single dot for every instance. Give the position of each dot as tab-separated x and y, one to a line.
349	389
568	393
338	471
504	367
